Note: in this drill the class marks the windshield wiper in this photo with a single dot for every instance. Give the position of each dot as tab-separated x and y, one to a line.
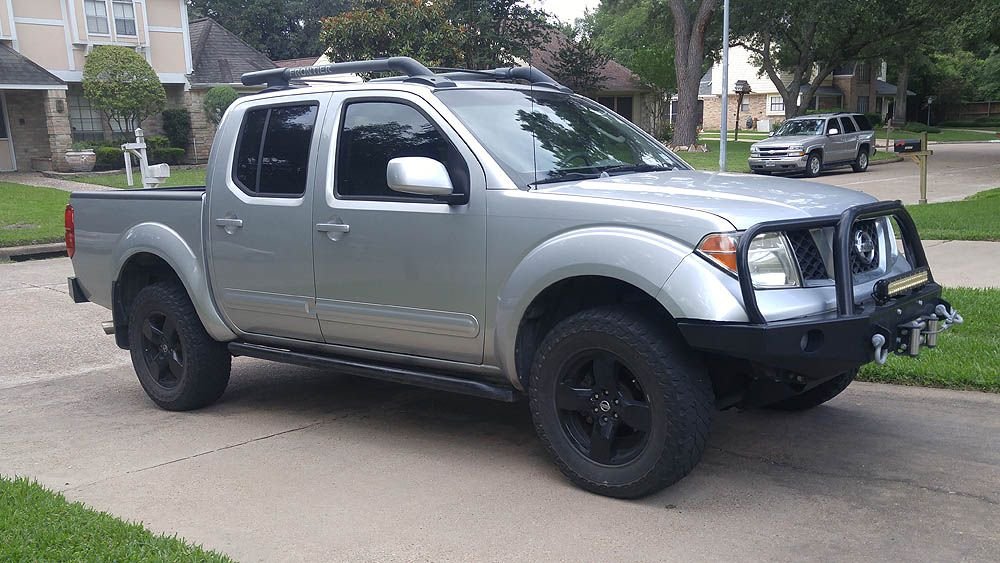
567	177
637	167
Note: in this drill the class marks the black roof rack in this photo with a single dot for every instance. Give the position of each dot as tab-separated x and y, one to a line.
412	69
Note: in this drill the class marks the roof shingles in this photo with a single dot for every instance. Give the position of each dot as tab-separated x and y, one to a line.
16	69
219	56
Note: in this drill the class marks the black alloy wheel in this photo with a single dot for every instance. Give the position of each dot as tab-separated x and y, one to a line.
162	349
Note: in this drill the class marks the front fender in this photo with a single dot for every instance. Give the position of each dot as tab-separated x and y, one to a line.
166	243
640	258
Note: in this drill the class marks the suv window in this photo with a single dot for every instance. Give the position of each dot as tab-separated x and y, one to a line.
848	125
863	123
831	125
272	153
375	132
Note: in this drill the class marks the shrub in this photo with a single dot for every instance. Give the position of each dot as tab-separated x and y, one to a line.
168	155
109	158
118	81
828	110
875	118
154	142
973	124
217	100
916	127
177	126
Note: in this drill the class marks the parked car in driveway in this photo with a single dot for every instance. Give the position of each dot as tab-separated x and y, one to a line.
464	233
812	143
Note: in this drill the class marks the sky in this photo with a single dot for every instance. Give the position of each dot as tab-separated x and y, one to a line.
566	10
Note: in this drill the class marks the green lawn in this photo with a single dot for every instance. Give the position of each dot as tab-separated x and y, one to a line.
946	134
186	176
39	525
967	356
974	218
736	156
30	215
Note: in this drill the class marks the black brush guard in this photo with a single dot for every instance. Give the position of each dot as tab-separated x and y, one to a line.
812	349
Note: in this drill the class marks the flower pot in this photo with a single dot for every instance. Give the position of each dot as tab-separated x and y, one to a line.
80	161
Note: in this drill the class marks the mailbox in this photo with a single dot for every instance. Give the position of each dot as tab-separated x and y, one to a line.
907	145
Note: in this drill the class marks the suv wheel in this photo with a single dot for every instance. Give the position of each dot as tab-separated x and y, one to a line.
178	364
619	402
817	395
860	163
814	165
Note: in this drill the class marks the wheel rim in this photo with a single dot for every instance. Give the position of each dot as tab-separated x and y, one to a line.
162	350
863	160
602	409
814	165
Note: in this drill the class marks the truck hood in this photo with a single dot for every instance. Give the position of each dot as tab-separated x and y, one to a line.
741	199
787	140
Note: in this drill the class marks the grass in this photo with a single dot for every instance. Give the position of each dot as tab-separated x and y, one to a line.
946	134
967	356
974	218
30	215
40	525
736	156
187	176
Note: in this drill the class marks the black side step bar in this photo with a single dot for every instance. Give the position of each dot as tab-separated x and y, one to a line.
381	372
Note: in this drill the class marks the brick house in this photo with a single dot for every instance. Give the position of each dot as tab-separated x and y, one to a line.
43	47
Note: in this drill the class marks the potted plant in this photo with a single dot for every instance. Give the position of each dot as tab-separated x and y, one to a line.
81	158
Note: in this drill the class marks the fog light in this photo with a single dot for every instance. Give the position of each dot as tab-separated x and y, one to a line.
894	287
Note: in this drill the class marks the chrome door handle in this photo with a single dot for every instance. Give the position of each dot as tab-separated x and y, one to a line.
333	228
229	223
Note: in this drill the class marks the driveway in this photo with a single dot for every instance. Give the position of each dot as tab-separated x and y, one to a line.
296	464
955	171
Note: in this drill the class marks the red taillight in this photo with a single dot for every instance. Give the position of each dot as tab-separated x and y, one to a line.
70	232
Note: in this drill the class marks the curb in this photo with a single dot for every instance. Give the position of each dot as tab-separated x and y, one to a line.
33	251
885	161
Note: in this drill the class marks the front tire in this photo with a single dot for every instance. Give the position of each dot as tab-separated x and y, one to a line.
620	403
178	364
814	165
817	395
860	163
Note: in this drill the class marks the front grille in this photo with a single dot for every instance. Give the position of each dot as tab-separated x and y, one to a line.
808	255
864	233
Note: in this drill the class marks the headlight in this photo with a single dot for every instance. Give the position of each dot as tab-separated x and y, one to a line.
796	150
769	258
754	150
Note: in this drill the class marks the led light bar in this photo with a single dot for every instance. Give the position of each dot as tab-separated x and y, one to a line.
893	287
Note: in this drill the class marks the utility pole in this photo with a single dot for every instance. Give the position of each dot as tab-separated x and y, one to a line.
724	124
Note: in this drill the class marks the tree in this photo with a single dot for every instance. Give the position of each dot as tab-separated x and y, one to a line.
497	32
691	24
578	64
420	29
217	100
119	82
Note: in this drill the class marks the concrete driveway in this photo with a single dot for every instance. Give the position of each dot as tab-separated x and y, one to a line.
296	464
955	171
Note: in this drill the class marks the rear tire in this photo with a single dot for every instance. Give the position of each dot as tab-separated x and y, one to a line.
860	163
814	165
178	364
817	395
620	403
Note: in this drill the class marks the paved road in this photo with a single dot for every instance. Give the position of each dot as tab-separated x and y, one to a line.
955	171
296	464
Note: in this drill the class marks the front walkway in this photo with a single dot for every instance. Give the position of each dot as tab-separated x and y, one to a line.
37	179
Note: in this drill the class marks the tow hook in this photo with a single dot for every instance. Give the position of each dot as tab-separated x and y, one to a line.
881	352
924	331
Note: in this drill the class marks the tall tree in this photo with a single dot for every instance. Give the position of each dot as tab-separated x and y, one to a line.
497	32
691	26
579	64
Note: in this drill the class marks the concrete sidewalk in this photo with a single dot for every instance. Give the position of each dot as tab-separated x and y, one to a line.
964	263
37	179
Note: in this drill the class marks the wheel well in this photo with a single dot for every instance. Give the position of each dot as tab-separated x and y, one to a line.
140	270
864	148
567	297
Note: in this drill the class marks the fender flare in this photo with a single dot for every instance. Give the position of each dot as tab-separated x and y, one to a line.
635	256
167	244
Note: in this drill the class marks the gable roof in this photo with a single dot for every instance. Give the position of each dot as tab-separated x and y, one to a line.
18	70
617	78
219	57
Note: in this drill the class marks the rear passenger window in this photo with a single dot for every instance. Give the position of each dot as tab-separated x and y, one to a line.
373	133
863	123
272	153
848	125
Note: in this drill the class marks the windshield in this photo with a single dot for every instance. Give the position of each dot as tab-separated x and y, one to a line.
539	137
800	127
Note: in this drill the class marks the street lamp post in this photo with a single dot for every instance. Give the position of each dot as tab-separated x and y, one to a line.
724	126
742	88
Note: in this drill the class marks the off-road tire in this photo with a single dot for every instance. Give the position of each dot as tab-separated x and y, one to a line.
812	169
817	395
673	381
204	363
861	162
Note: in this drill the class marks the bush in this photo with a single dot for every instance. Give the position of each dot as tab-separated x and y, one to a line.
916	127
118	81
975	123
217	100
875	119
829	110
167	155
157	142
109	158
177	126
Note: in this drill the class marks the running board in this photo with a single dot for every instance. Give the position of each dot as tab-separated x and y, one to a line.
381	372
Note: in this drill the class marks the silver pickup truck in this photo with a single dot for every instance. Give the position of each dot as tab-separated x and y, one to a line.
810	144
493	234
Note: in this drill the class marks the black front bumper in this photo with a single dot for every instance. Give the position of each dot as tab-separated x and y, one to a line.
812	349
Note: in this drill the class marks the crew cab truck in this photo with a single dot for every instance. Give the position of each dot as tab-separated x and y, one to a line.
809	144
491	233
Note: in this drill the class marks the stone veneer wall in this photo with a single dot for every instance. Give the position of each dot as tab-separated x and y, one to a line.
202	131
712	115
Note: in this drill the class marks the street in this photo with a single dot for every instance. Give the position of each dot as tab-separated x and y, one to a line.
297	464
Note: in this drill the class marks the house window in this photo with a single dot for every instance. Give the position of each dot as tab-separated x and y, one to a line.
97	16
864	72
745	106
622	105
124	14
862	104
85	121
776	104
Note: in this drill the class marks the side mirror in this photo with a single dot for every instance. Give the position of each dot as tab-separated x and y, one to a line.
833	132
771	133
418	175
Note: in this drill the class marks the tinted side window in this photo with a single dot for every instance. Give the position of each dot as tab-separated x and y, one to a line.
848	126
373	133
863	123
272	154
831	125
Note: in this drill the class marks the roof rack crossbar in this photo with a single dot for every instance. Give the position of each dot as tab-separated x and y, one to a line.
527	73
281	77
